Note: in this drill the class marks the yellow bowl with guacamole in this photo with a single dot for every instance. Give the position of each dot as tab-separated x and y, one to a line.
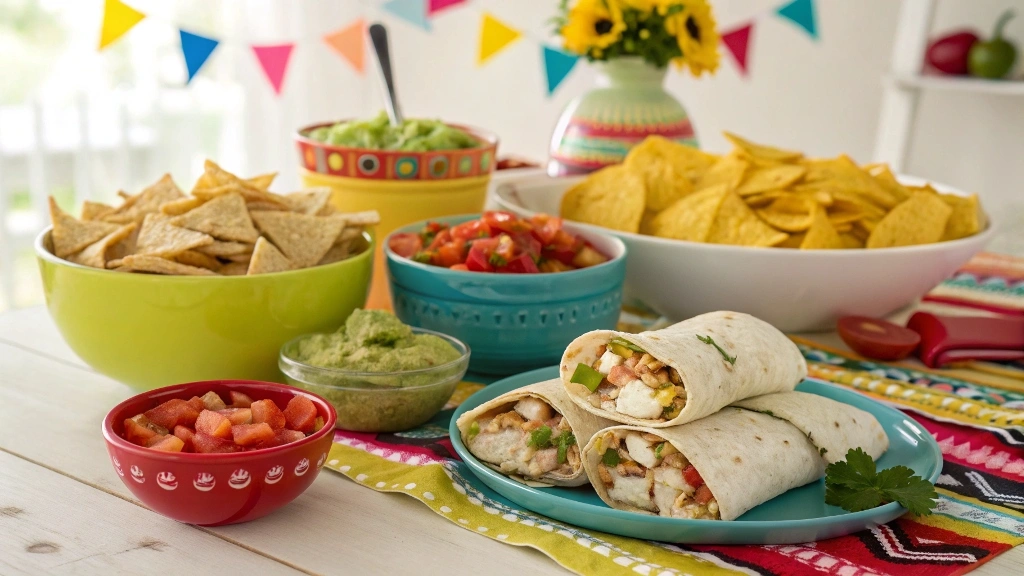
149	330
424	169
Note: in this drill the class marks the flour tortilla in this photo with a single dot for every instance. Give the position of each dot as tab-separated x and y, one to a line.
747	458
766	362
582	423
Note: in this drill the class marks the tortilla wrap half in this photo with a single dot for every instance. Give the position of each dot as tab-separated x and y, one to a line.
582	424
744	457
766	361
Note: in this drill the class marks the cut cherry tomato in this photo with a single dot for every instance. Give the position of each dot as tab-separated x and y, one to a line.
878	339
443	237
522	264
405	244
470	230
449	254
478	259
505	222
546	228
692	477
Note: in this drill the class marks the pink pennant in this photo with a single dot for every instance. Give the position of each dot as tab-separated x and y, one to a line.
274	61
435	6
738	43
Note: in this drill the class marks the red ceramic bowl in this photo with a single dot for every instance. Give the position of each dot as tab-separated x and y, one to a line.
217	489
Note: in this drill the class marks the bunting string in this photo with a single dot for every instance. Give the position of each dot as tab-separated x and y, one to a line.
350	40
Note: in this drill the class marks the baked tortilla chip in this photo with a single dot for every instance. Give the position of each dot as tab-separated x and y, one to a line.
216	181
180	206
95	255
70	235
266	259
737	224
158	237
337	253
198	259
309	201
157	265
95	210
234	269
224	249
302	238
225	218
263	181
361	219
146	202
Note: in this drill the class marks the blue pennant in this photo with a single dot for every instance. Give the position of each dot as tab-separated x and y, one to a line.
557	65
801	13
412	11
197	50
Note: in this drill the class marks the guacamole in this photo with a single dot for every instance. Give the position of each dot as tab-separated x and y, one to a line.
378	134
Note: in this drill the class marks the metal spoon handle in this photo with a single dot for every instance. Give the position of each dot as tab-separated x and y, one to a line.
379	37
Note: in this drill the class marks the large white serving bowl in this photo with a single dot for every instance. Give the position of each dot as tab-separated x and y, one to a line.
794	290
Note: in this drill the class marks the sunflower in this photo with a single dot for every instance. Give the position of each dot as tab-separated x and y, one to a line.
644	6
593	25
694	29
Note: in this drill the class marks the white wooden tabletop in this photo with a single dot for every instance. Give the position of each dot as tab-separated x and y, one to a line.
63	509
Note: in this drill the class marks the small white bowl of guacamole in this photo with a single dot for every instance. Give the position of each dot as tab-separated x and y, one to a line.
380	374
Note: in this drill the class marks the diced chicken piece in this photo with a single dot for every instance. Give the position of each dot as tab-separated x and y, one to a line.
641	450
532	408
621	375
672	477
664	496
608	361
637	400
498	447
608	405
544	461
632	490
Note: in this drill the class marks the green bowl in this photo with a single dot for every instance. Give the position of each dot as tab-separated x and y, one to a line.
150	331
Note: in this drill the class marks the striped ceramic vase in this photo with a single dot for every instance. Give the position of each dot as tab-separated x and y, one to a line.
628	104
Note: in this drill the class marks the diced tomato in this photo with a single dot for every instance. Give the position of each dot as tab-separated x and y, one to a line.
213	402
471	229
405	244
443	237
545	227
478	258
461	267
213	424
239	399
505	222
703	495
137	433
301	414
186	434
171	413
237	415
281	437
431	230
197	403
692	477
206	444
251	434
267	411
169	443
449	254
522	264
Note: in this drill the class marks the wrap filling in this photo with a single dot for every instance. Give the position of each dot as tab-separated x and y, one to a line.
529	438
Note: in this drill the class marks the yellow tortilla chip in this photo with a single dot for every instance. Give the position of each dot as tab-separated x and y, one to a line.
611	197
737	224
788	213
728	170
70	235
886	180
793	241
95	255
843	174
302	238
773	178
180	206
266	259
157	265
691	217
850	241
220	248
198	259
95	210
921	219
309	201
664	184
146	202
225	218
158	237
762	152
966	218
821	235
263	181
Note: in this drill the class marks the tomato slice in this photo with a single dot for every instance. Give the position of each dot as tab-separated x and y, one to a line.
405	244
471	229
878	339
692	477
505	222
522	264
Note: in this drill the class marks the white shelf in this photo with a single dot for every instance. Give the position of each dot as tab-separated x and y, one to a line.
959	84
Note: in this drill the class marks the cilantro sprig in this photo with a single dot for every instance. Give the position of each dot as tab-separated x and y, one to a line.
711	341
855	485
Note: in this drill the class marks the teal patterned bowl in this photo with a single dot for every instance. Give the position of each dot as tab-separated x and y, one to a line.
511	322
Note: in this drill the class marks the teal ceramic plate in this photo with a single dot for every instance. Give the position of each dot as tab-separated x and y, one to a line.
799	515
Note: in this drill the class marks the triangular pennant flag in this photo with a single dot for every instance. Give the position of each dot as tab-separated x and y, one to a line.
737	42
197	50
801	13
412	11
274	61
494	37
557	65
435	6
118	19
350	44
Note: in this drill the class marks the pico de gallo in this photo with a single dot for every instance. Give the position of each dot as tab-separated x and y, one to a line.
498	242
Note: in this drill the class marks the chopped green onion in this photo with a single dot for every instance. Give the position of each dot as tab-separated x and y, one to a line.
611	457
497	260
658	449
587	376
541	437
565	440
474	429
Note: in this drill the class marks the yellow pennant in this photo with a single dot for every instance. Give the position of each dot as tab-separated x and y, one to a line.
494	37
118	18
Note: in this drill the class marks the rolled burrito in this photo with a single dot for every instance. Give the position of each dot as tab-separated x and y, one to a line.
532	434
723	465
681	373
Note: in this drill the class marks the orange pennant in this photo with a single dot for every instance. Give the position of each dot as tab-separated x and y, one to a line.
349	42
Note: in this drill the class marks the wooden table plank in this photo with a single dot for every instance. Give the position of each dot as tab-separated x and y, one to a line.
34	329
55	525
